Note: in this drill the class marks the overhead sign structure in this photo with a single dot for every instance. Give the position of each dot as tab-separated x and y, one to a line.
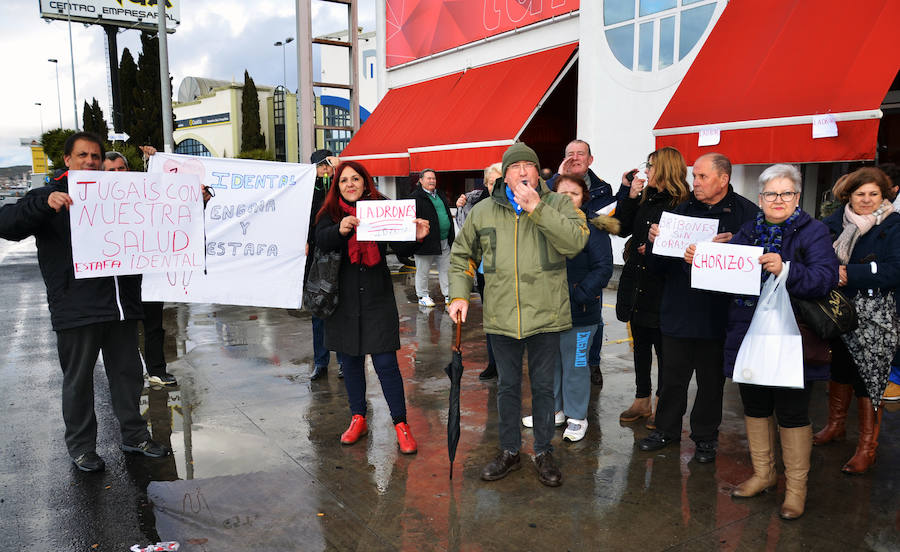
256	228
139	14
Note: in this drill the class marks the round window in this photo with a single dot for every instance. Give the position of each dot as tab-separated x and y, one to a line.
649	35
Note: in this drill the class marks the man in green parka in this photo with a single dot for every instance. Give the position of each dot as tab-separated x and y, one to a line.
522	235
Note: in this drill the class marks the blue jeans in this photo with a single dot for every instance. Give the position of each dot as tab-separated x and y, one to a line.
321	354
543	358
572	378
388	374
596	345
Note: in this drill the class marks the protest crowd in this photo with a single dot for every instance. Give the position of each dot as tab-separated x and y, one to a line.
817	303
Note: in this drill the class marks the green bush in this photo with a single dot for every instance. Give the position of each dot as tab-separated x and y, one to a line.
261	154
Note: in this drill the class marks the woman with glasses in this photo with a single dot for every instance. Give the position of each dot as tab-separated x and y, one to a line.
786	233
640	289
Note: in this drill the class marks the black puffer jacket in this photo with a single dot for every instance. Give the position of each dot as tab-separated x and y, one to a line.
431	245
691	313
640	289
73	303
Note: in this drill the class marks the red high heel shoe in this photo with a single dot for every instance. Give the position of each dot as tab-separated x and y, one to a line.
357	429
405	439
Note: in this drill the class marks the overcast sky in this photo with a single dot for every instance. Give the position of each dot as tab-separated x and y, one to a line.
216	39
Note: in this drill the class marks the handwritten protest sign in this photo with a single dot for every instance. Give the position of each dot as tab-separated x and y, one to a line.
677	232
392	220
256	228
726	267
134	223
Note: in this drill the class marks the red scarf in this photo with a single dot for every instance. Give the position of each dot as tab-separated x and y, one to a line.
365	252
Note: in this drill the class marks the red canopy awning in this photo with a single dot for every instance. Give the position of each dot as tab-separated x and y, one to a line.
769	66
462	121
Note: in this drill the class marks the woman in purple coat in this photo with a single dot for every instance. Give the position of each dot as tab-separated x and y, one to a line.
786	233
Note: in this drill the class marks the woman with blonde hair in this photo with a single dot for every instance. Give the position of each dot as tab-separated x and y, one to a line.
640	289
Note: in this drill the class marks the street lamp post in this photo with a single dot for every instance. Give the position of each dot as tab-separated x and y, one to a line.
287	41
58	101
41	113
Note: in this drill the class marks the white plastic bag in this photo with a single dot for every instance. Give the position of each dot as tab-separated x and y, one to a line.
772	351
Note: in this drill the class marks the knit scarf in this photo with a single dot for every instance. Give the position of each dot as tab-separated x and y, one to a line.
856	226
361	252
770	236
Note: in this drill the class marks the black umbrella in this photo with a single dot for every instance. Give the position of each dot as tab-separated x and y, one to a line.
454	370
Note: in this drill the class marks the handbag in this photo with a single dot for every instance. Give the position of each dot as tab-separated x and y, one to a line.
828	317
771	353
816	350
320	294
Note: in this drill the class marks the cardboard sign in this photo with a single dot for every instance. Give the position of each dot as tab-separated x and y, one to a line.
824	126
726	267
391	220
135	223
709	136
677	232
256	228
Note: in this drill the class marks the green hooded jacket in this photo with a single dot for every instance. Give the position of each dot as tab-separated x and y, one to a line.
524	258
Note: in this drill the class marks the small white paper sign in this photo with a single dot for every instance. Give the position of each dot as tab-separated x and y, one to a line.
709	136
726	267
824	126
135	223
677	232
390	220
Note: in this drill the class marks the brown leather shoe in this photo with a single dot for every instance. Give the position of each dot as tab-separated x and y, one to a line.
869	426
547	470
640	408
504	463
839	396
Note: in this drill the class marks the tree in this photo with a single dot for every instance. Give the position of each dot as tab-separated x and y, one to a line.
146	124
127	90
93	120
251	135
54	143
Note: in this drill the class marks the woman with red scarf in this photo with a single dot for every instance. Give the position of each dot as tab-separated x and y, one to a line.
366	320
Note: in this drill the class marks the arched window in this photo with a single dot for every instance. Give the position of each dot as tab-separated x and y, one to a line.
189	146
649	35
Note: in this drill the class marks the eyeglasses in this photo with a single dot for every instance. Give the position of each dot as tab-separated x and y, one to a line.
523	165
646	166
786	197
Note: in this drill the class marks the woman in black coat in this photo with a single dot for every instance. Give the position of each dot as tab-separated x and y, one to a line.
866	231
366	320
640	289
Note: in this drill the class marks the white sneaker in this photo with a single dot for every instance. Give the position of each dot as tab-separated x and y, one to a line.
558	420
575	430
426	301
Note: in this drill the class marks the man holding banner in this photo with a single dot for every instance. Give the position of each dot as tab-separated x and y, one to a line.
89	315
693	321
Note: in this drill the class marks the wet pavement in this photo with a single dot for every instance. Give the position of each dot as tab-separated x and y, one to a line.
258	464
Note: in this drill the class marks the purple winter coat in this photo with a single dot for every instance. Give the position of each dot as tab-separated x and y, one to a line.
813	273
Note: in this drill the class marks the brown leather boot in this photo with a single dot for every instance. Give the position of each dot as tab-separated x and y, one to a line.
796	448
761	439
869	426
640	408
839	395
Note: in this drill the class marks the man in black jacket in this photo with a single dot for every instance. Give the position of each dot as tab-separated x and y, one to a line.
693	321
89	315
432	205
325	161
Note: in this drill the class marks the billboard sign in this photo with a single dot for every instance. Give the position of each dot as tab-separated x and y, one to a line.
141	14
419	28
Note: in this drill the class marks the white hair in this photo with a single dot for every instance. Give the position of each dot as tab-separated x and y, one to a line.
782	170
